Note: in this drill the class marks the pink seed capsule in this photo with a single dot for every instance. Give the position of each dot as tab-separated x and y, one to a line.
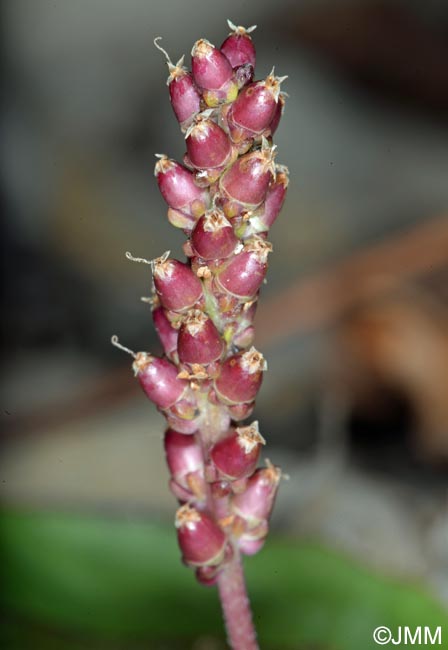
201	540
213	73
178	188
265	216
184	96
167	334
199	340
158	378
185	460
255	504
245	183
254	109
211	69
240	377
243	274
208	146
177	286
213	236
236	455
238	46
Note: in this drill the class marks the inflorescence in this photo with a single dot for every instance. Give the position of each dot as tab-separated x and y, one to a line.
225	196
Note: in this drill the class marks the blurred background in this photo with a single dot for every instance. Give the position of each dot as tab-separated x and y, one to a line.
353	322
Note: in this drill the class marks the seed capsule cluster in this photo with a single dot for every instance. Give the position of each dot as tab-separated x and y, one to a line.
225	196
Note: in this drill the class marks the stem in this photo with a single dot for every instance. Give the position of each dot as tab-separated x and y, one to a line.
231	583
236	606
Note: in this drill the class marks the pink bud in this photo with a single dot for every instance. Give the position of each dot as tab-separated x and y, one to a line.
199	340
178	188
213	73
185	461
177	286
167	334
183	455
158	378
255	106
269	211
213	236
238	46
246	182
236	455
185	98
211	69
208	146
243	274
201	540
255	504
240	377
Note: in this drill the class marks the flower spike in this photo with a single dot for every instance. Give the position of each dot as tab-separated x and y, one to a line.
224	195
